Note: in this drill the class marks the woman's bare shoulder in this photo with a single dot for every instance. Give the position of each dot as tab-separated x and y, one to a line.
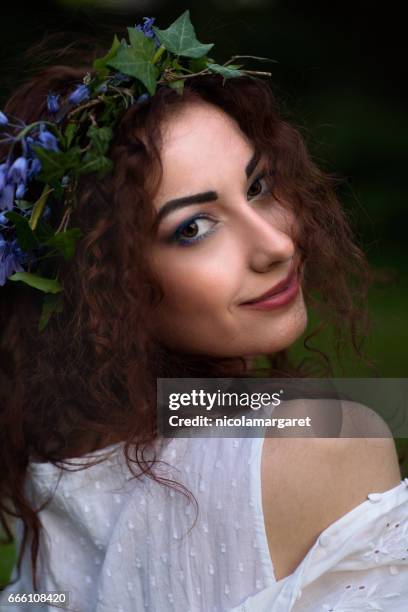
341	471
309	483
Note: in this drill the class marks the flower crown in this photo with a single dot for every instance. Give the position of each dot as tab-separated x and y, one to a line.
47	157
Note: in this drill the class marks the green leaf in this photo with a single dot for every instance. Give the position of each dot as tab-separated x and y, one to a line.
44	231
180	38
39	207
56	163
93	162
198	64
100	64
100	138
25	236
51	303
144	46
65	242
176	66
48	285
177	85
130	61
70	133
23	204
225	71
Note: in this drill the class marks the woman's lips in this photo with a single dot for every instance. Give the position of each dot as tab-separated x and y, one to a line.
277	296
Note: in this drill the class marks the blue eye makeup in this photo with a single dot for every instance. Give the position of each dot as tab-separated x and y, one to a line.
185	240
200	221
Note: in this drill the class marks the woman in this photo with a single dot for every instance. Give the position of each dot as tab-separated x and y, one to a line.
211	201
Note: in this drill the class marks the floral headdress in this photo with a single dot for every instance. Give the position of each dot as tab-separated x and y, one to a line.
48	157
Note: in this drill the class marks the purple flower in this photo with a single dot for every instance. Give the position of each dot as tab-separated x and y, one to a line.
20	191
3	119
80	94
53	103
103	88
3	219
18	171
3	176
34	167
143	98
10	257
48	140
7	197
147	30
120	78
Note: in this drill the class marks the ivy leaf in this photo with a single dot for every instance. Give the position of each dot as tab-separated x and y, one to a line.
136	60
25	236
180	38
225	71
51	303
48	285
65	242
56	163
100	64
177	85
94	162
199	64
100	138
142	44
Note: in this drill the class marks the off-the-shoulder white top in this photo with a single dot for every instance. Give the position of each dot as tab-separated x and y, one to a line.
129	545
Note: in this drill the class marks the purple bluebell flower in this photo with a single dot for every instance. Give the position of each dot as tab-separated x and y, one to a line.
143	98
18	171
7	197
48	140
11	257
120	78
53	103
30	141
34	167
102	88
3	175
147	30
80	94
3	119
3	219
20	191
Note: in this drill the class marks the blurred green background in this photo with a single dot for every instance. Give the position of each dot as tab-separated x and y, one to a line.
340	75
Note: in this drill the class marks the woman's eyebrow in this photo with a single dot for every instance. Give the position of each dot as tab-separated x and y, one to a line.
199	198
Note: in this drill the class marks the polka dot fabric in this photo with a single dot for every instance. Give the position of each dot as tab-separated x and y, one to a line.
120	544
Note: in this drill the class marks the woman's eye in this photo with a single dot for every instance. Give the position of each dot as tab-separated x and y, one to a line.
193	230
258	187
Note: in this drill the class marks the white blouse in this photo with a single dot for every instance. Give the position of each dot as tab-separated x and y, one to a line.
119	544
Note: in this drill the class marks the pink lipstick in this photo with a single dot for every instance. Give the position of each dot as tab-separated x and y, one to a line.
281	294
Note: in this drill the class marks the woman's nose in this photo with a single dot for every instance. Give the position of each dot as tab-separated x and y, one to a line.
267	239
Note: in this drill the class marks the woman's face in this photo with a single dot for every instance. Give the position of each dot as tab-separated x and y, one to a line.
230	245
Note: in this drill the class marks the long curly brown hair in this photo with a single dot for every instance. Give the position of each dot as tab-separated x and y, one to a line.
94	368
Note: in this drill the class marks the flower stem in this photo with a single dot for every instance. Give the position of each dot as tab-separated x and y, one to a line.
158	54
